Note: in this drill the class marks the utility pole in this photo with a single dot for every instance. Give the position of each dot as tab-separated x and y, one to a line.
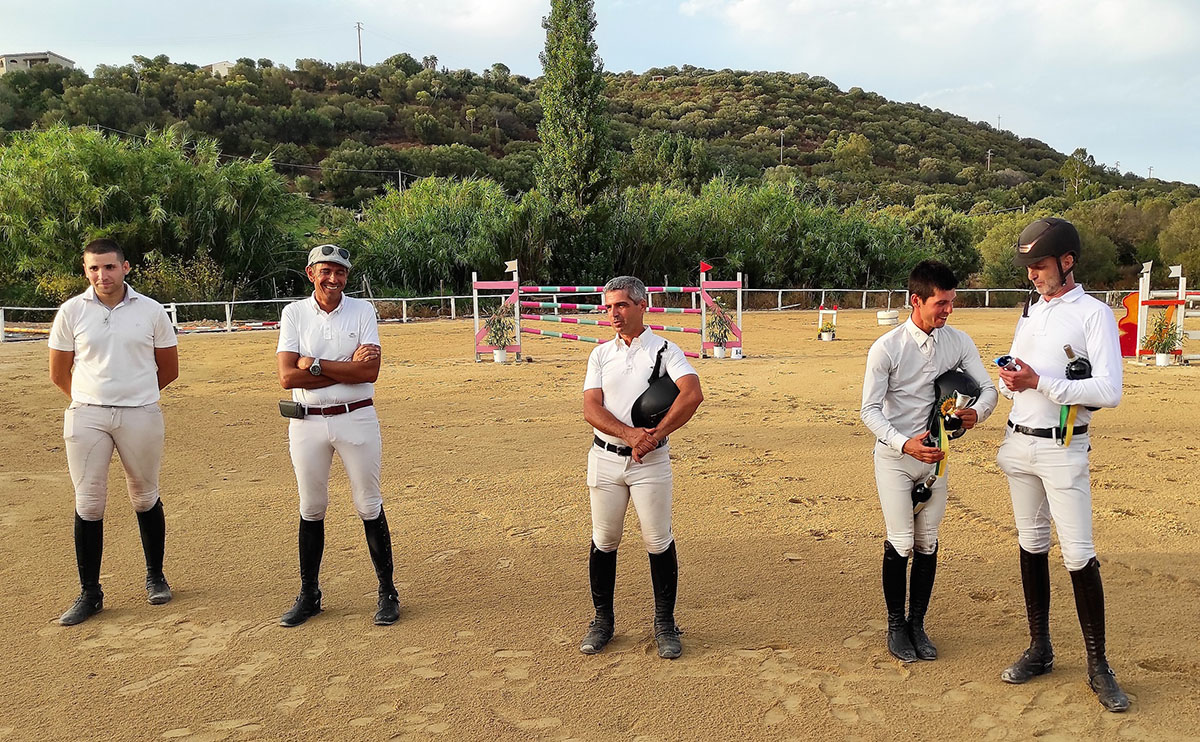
998	126
358	26
780	147
989	161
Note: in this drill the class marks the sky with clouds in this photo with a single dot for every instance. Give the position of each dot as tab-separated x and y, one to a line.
1119	77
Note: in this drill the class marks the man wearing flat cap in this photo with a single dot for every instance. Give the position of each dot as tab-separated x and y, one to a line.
329	357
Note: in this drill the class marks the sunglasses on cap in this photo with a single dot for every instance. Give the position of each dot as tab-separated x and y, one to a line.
330	249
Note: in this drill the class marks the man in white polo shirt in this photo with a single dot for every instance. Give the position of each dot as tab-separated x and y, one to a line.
329	357
898	397
111	351
630	458
1045	451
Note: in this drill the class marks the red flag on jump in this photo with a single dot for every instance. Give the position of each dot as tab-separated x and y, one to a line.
704	267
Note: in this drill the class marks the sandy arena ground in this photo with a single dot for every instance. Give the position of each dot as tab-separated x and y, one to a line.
780	539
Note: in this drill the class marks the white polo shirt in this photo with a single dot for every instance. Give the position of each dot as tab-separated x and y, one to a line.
622	372
308	330
114	348
1089	326
898	387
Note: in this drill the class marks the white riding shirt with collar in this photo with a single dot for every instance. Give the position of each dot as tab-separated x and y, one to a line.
114	395
1049	482
622	372
308	330
898	395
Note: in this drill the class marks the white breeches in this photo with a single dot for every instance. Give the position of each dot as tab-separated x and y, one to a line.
895	475
1050	482
91	432
613	480
356	439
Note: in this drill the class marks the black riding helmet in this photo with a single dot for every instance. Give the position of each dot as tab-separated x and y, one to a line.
1047	238
947	389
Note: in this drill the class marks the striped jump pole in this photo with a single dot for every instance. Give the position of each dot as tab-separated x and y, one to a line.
597	307
602	323
600	289
581	338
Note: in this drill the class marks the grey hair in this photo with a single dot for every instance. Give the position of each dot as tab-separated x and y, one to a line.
631	285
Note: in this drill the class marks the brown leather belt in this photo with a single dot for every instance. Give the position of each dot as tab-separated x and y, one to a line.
339	409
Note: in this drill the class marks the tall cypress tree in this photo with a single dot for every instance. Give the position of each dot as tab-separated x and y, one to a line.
577	155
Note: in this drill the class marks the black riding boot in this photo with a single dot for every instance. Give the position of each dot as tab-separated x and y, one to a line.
152	524
312	546
1039	658
1089	603
379	543
895	574
664	574
602	574
89	547
924	567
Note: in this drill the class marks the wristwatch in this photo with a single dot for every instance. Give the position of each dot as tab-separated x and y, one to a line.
315	368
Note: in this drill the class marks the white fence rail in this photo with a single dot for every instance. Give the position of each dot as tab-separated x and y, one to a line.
810	299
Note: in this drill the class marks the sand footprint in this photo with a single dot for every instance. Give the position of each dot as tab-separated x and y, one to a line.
296	698
442	556
316	649
157	678
336	690
246	671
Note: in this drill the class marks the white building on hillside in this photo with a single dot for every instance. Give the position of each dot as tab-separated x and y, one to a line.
10	62
219	69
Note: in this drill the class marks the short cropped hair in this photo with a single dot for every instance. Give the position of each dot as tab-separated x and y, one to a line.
633	288
929	276
103	246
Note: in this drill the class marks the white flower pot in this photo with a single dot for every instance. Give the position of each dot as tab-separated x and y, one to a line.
500	355
827	336
1162	359
719	351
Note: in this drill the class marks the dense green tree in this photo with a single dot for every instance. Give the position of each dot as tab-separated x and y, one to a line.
577	156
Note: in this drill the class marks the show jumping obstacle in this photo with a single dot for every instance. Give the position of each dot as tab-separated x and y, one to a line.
515	289
1176	303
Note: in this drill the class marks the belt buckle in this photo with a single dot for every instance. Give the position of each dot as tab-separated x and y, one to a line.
1057	436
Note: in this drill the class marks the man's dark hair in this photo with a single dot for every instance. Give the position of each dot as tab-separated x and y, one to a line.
929	276
104	246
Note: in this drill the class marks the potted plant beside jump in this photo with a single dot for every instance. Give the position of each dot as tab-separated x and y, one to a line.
1163	339
500	333
827	331
719	329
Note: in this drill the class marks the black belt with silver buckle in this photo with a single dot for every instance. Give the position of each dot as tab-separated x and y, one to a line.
339	409
1045	432
621	450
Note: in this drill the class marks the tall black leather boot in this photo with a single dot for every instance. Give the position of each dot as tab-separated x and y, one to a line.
152	525
1089	603
924	567
89	548
312	547
602	575
664	574
895	575
379	544
1039	658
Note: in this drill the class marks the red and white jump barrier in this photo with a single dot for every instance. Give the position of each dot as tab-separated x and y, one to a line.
513	286
1176	302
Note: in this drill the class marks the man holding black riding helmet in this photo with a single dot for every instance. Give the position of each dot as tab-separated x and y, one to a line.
911	372
639	389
